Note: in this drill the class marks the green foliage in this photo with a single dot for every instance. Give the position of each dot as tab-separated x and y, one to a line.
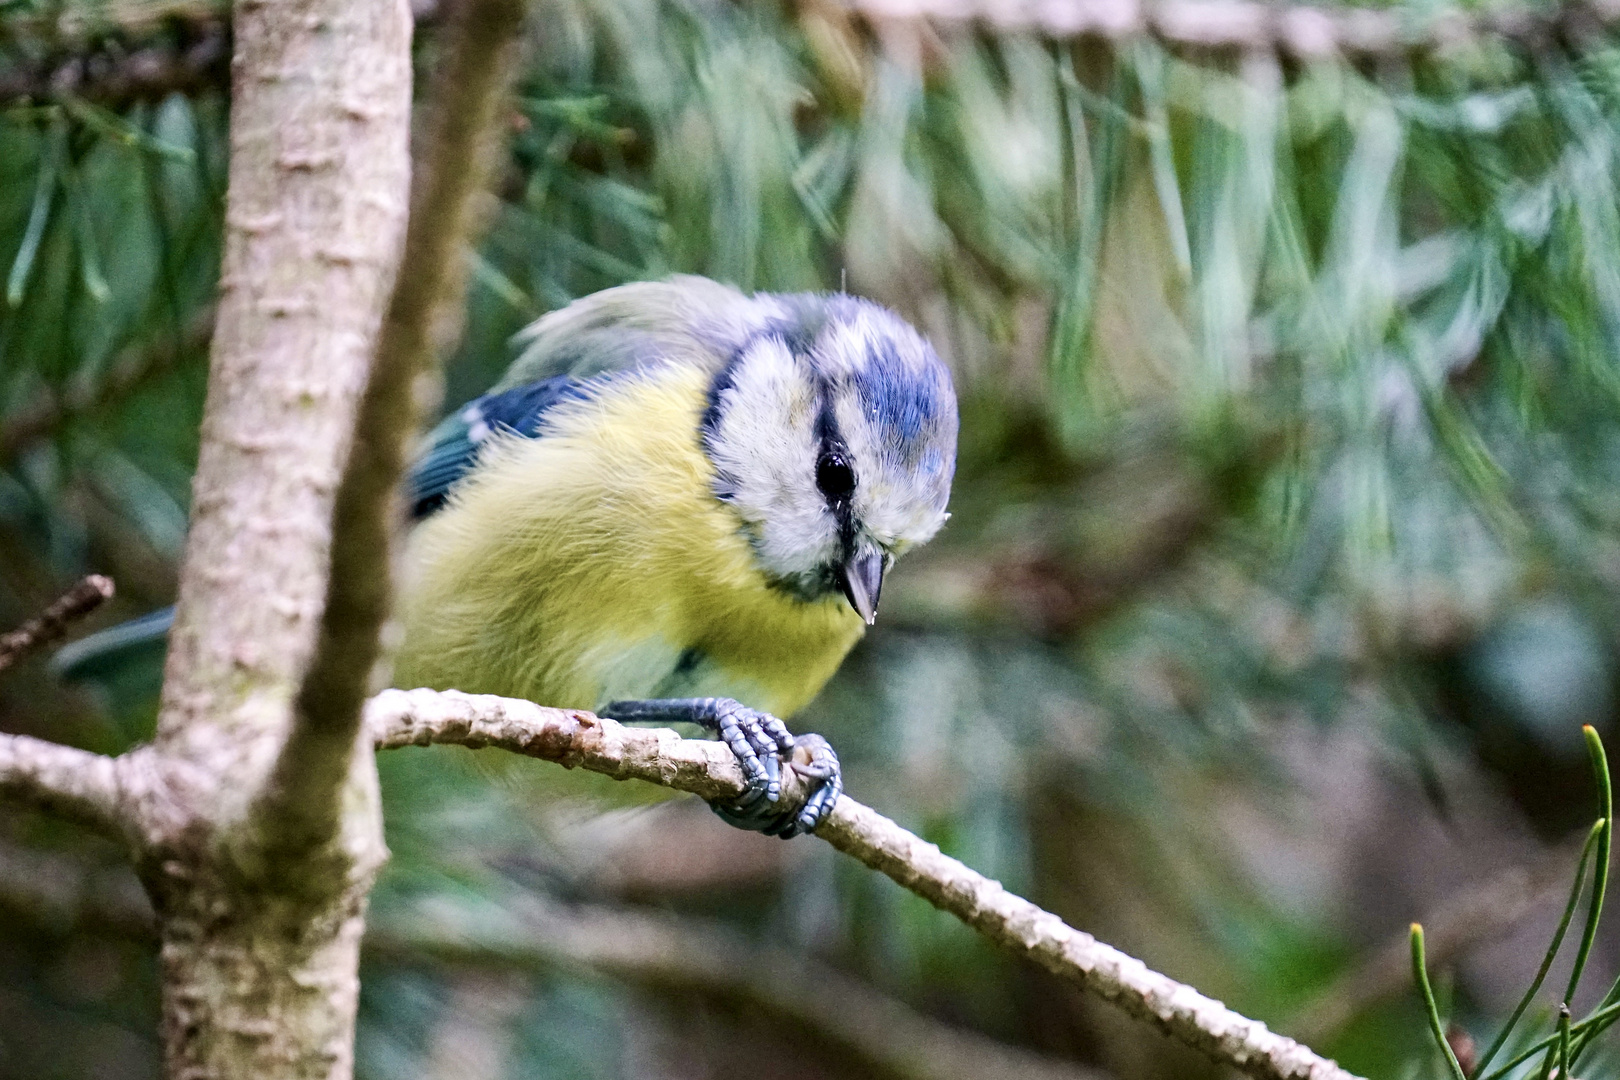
1290	402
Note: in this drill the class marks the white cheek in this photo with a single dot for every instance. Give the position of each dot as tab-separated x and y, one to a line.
765	441
765	451
797	544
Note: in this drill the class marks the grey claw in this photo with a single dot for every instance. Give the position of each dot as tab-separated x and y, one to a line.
749	799
819	805
759	742
778	732
813	759
739	730
773	777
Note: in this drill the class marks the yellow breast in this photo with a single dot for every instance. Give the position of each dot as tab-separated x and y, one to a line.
595	562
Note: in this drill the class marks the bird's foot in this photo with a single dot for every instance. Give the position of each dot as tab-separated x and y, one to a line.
762	744
813	759
757	739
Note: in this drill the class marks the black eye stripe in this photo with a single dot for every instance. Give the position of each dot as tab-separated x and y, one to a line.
834	476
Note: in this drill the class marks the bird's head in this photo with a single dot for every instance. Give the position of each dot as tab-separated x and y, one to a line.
832	429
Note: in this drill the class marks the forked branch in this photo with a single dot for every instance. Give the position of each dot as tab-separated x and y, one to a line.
72	783
579	739
66	781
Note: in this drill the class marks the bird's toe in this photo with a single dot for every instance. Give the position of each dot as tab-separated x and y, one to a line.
814	760
741	730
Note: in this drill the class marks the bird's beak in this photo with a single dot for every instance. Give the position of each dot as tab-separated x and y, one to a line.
863	580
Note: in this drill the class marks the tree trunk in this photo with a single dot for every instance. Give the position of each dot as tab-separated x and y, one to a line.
258	985
260	931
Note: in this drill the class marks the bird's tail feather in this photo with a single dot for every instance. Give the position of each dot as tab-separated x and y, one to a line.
90	656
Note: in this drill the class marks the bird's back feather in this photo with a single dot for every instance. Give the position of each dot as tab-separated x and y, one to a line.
594	563
685	321
454	446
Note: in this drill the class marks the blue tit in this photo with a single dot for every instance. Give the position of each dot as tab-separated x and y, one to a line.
679	505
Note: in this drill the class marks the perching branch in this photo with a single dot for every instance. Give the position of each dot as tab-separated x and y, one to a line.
579	739
463	140
71	783
690	958
49	625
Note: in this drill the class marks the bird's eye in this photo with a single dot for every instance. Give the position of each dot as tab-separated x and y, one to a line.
834	476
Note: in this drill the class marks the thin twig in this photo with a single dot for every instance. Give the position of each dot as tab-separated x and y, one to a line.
87	786
63	780
691	957
579	739
49	625
1301	31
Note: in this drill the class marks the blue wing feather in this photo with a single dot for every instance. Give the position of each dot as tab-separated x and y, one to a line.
452	453
601	336
455	444
563	356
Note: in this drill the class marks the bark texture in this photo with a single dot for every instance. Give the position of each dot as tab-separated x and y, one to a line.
317	203
71	783
574	738
253	817
259	944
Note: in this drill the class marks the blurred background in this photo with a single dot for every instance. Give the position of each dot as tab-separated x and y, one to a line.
1283	572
